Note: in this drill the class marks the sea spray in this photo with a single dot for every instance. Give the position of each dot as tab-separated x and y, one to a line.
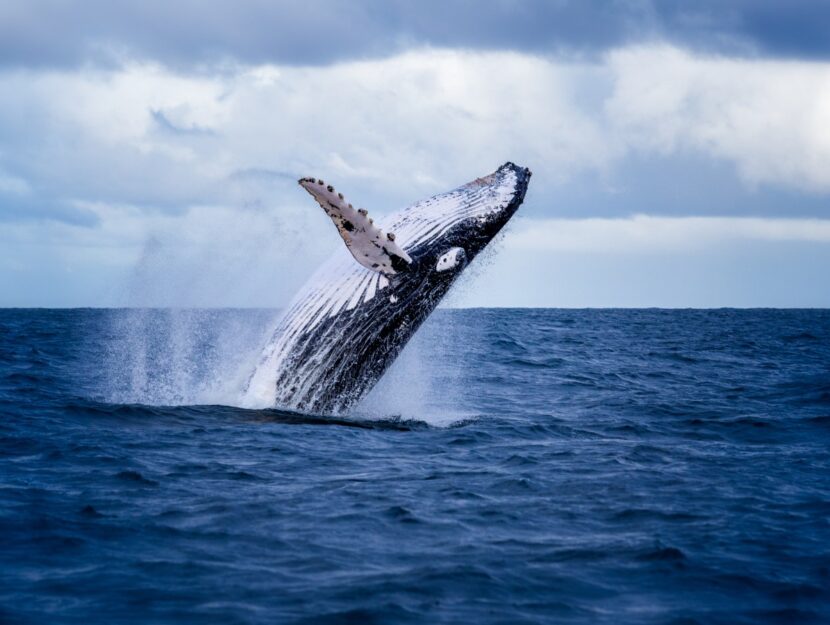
182	356
185	357
168	345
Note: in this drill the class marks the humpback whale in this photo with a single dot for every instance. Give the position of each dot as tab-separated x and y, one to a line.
352	318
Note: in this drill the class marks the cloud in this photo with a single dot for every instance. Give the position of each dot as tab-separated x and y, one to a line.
12	185
217	256
148	156
203	256
794	29
392	130
772	119
645	234
646	261
189	34
165	125
192	34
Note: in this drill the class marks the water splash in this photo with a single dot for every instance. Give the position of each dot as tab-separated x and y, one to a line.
180	357
423	384
188	357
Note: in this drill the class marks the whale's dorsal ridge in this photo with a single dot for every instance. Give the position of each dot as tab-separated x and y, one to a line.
369	245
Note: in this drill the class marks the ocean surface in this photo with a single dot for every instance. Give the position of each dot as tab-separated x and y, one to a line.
514	466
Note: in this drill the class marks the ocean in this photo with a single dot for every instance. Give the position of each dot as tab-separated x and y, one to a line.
514	466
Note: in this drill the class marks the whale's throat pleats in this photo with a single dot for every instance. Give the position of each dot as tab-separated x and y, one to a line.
369	245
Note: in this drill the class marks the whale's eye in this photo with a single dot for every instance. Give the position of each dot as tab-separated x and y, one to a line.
452	258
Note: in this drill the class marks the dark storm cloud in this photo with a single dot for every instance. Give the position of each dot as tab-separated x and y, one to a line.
782	28
189	33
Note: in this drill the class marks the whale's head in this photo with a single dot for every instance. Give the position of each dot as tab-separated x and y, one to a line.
445	232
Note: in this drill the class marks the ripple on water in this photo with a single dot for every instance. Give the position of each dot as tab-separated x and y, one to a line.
573	466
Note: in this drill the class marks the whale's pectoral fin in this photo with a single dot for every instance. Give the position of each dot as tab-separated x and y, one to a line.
370	246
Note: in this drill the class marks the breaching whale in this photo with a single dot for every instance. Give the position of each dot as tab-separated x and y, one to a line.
353	317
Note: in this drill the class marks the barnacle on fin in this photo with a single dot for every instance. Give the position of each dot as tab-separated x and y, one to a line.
369	245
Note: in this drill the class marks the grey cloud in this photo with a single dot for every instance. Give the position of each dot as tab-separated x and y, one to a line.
680	185
584	130
258	174
190	34
63	174
164	123
782	28
184	33
37	208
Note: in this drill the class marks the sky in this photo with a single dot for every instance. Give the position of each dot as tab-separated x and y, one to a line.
149	150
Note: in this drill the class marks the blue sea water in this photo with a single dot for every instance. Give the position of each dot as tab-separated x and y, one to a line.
515	466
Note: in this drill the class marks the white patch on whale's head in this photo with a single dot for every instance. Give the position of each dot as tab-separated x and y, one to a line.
453	258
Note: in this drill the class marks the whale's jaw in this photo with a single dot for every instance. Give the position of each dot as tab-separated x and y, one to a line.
348	323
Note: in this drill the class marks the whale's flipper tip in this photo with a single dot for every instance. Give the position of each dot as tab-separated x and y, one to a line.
369	245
